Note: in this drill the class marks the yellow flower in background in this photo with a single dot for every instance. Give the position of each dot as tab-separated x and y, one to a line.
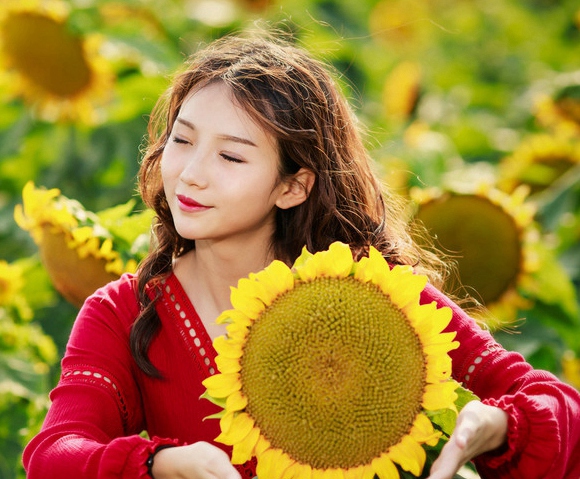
538	162
59	72
330	368
75	247
401	90
490	235
571	369
401	24
560	112
10	282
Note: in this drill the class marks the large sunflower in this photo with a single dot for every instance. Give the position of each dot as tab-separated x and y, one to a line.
491	235
57	71
79	249
330	369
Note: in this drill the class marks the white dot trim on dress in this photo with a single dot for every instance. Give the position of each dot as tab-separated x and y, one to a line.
476	362
86	373
189	328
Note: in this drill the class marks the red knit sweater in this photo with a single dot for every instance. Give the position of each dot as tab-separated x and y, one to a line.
103	401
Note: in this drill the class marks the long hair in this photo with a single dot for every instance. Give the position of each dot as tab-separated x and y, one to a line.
295	98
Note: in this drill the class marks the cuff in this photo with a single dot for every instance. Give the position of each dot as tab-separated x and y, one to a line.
532	437
126	457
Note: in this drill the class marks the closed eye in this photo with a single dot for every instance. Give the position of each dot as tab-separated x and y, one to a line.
231	158
176	139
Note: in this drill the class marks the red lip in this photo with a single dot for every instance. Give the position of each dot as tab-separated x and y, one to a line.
189	204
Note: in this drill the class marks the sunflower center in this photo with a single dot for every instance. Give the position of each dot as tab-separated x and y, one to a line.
45	52
484	238
333	372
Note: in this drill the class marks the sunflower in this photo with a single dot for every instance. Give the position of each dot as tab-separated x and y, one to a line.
571	369
401	90
401	24
11	282
76	248
330	369
560	111
538	162
492	236
57	71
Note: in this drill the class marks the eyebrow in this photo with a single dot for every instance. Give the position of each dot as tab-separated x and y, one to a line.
237	139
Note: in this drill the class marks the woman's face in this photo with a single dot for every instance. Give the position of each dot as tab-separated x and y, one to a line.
220	171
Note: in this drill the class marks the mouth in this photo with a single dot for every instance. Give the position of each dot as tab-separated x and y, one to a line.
189	204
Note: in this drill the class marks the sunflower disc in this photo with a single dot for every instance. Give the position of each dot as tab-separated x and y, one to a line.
320	373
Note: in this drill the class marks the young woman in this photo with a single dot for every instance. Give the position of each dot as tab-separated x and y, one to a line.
253	154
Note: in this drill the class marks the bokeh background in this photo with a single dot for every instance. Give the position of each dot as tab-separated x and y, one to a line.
471	109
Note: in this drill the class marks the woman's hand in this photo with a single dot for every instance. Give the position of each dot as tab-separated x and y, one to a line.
200	460
480	428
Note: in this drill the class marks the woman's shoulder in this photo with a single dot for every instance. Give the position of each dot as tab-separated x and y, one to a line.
119	299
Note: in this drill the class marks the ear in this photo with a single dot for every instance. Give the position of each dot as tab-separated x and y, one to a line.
296	189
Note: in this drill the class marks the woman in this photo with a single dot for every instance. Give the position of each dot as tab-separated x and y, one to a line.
254	153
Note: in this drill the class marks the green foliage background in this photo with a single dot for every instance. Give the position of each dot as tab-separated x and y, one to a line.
482	63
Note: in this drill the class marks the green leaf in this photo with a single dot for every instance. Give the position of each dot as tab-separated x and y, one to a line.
552	285
445	418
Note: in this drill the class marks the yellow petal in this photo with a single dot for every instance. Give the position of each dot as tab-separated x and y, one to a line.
241	300
241	426
262	445
423	431
236	401
244	450
439	396
339	261
409	455
299	471
302	259
409	286
228	365
233	316
442	346
384	468
222	385
226	421
332	474
272	464
276	279
428	318
438	368
227	347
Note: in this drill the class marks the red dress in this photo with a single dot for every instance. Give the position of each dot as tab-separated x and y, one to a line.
103	401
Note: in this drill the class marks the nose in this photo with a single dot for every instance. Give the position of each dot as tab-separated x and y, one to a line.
196	169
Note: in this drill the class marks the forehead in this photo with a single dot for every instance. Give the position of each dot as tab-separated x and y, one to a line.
215	103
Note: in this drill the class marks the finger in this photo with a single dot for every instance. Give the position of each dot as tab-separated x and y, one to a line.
448	463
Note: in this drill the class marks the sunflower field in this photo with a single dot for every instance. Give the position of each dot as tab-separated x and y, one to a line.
471	110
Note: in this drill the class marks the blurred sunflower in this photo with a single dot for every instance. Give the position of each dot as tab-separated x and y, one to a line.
331	369
57	71
571	369
76	247
11	282
491	236
560	112
538	162
402	24
401	91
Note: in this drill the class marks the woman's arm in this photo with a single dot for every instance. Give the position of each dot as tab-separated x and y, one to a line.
543	413
92	427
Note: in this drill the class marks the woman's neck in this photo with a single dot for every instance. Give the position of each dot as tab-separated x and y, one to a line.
208	272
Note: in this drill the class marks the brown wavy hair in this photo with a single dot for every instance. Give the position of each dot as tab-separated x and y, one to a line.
295	98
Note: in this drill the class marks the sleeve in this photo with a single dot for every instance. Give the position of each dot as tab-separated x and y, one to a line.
92	427
543	412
